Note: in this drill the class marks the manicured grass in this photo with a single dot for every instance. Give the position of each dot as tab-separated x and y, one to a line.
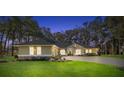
114	56
7	58
57	69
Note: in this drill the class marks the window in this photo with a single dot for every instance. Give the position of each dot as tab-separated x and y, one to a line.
31	50
78	52
39	50
62	52
86	51
90	50
35	50
46	50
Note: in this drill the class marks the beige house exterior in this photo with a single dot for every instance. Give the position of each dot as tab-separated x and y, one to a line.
33	49
92	50
38	49
74	49
77	49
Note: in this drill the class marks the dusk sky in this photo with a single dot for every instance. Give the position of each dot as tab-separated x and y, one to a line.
62	23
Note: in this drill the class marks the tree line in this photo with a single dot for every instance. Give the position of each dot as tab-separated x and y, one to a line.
107	33
18	29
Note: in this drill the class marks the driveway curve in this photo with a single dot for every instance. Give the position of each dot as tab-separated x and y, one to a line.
104	60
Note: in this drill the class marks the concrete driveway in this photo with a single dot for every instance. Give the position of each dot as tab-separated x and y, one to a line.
97	59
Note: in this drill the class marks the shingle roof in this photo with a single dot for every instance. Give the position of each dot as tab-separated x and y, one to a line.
64	44
67	44
37	42
46	42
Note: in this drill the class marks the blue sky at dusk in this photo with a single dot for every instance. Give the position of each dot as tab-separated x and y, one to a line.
62	23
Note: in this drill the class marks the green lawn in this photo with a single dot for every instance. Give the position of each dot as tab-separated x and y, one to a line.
7	58
63	69
114	56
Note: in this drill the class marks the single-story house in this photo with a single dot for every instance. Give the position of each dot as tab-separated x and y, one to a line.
72	49
36	49
43	48
77	49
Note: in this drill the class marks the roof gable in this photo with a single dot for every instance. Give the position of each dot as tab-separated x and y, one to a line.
75	45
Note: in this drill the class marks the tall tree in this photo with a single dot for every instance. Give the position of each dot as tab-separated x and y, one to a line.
116	26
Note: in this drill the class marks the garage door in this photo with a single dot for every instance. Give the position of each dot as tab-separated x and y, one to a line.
78	52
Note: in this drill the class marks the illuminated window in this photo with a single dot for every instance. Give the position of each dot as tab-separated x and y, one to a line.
90	50
86	50
38	50
62	52
33	50
78	52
